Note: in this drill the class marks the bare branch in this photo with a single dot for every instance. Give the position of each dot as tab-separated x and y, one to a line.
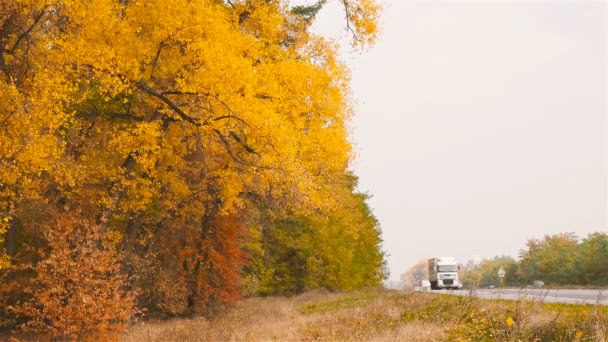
224	104
3	122
27	32
177	92
264	96
114	115
348	23
223	117
156	57
232	154
243	143
141	85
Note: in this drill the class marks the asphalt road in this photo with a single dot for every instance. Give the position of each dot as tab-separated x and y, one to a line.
570	296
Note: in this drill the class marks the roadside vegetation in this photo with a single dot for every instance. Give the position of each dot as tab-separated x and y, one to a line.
168	158
560	260
557	260
382	315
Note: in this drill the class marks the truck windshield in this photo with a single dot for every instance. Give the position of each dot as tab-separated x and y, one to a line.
447	268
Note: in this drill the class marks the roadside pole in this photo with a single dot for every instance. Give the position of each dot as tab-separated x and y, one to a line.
501	275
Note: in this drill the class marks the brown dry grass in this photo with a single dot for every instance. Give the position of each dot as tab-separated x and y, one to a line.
366	317
377	315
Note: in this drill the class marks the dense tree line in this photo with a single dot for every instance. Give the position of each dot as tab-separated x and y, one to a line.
561	259
168	157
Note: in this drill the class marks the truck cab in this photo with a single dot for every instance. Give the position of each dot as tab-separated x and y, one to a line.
443	273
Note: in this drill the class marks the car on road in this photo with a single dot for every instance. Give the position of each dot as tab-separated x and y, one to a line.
538	283
426	285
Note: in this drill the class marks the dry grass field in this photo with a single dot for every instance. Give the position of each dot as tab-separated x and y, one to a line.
381	315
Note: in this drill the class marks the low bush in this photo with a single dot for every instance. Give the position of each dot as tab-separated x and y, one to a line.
77	291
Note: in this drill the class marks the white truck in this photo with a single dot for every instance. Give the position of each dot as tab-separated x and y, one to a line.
443	273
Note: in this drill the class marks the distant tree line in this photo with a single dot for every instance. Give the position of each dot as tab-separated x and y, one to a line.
561	259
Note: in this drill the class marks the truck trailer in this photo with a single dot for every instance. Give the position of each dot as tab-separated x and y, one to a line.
443	273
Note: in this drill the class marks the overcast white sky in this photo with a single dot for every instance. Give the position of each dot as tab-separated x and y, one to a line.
480	124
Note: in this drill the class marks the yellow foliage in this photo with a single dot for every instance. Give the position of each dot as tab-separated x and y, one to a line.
154	118
4	259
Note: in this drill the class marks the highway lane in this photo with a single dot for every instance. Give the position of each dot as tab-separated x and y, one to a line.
570	296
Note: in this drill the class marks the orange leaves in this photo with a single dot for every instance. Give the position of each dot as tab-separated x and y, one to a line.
221	261
78	290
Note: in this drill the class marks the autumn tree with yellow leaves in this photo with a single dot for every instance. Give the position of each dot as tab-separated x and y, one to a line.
185	132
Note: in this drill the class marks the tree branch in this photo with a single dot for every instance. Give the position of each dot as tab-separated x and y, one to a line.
27	32
229	116
231	153
223	117
177	92
348	25
121	116
156	57
195	121
243	143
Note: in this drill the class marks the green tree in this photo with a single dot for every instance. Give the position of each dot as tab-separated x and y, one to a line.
592	260
486	273
552	259
339	250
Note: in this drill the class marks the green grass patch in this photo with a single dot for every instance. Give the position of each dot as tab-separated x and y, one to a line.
339	304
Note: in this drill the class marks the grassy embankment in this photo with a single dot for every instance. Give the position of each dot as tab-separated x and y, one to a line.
386	316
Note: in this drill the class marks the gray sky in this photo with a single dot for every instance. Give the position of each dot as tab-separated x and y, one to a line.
480	124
